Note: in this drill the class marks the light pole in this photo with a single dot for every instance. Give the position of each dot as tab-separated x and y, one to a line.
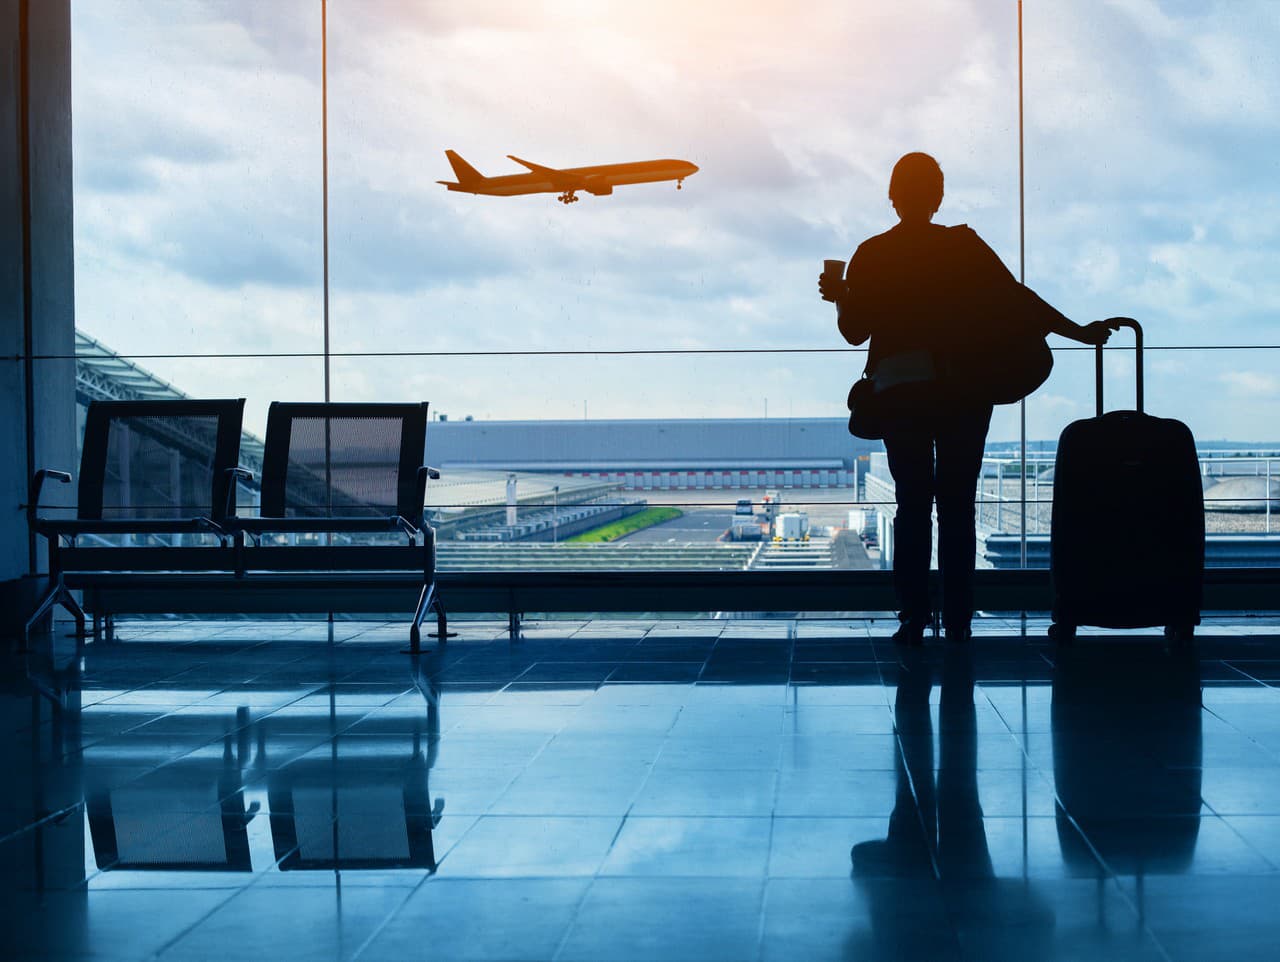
555	514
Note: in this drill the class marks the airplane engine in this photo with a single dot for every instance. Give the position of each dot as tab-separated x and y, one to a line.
600	190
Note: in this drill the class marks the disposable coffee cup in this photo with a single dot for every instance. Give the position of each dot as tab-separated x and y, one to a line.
833	270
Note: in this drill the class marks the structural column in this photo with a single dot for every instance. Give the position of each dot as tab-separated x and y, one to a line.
37	290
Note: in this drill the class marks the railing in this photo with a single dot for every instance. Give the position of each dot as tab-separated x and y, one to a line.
997	508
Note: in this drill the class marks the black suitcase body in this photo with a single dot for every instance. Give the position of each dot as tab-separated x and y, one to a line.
1127	536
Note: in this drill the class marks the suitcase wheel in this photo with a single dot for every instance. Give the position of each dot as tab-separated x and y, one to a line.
1062	633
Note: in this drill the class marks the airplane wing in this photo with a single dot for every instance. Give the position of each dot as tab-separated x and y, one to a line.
536	168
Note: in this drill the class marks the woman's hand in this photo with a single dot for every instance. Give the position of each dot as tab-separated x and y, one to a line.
831	288
1096	333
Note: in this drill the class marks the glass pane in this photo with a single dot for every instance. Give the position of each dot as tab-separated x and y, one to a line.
473	298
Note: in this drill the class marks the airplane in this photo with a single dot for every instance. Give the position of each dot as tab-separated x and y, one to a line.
599	180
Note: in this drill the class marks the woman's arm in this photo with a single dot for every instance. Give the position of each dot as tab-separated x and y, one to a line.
853	313
1055	322
855	326
1050	319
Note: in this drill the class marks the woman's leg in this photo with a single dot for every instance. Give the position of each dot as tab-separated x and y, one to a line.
962	437
910	455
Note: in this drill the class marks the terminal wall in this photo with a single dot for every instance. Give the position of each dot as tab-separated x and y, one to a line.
661	454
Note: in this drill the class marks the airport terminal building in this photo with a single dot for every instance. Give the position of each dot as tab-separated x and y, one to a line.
653	455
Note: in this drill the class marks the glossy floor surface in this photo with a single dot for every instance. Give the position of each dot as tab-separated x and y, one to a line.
628	790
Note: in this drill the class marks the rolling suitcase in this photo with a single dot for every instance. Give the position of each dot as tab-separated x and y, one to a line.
1127	536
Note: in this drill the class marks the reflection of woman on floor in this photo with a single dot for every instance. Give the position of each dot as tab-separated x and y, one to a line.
936	830
942	820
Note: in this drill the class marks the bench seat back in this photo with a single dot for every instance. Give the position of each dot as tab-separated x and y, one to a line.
344	460
146	460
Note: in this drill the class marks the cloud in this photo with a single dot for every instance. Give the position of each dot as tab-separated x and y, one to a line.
1151	167
1251	384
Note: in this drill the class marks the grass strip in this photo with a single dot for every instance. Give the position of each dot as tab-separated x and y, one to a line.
625	526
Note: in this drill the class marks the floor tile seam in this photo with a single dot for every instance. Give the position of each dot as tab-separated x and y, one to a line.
764	888
1236	729
52	817
358	720
1272	755
1018	734
380	927
232	731
231	894
930	843
258	879
148	771
280	707
558	952
502	793
1234	666
133	729
1228	820
762	904
1113	880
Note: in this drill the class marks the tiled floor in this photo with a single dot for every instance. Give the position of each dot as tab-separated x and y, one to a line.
598	791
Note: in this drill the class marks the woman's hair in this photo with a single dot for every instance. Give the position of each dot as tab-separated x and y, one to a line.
916	183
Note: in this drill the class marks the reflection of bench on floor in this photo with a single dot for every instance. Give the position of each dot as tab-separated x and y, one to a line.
188	816
343	487
367	806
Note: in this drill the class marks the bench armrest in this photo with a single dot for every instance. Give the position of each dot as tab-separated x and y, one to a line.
37	485
407	526
426	473
234	474
213	527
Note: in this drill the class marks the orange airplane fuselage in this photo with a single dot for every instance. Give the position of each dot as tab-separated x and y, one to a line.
600	179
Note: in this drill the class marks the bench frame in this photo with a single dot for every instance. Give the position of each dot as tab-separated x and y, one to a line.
337	564
89	520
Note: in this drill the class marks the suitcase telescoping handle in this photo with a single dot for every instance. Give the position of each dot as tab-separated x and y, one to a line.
1115	323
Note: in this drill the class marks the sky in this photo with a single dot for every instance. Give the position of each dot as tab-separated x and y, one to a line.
1152	162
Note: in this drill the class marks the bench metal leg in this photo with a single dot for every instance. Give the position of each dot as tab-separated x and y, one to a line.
58	594
51	598
426	600
442	621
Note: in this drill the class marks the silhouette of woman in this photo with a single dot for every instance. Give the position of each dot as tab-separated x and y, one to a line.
915	291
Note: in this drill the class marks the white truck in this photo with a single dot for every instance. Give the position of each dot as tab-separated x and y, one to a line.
791	526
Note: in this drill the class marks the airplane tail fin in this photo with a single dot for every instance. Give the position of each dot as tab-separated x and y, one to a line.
465	173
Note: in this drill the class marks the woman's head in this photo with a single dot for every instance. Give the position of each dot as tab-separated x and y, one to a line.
915	187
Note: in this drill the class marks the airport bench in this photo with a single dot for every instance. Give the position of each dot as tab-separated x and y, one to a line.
342	493
157	486
341	469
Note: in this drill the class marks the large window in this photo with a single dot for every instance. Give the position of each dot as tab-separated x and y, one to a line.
664	347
